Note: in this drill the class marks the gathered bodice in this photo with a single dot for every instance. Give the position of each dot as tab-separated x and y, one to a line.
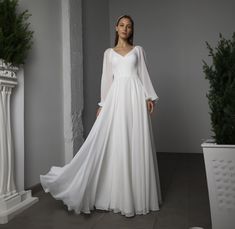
124	66
132	65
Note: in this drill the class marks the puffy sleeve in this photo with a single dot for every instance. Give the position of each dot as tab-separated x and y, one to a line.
106	77
145	78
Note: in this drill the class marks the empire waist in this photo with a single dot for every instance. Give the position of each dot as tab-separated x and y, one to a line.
125	76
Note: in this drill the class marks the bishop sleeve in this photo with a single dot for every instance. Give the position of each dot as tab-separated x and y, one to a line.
145	78
106	78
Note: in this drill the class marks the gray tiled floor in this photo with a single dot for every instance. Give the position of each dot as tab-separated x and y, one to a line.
185	204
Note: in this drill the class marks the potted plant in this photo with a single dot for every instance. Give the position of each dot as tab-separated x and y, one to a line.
15	36
15	41
219	152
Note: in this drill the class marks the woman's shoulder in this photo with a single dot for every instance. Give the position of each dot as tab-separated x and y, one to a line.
107	51
140	48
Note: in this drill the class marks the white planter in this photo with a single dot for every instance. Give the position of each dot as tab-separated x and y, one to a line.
220	172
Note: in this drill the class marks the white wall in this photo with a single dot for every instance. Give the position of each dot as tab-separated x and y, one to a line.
173	34
44	140
43	90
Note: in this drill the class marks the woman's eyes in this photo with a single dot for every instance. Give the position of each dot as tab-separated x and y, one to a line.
127	26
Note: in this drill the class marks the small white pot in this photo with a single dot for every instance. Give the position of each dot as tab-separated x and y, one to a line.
220	172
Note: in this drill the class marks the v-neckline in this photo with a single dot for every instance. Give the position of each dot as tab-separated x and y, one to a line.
123	56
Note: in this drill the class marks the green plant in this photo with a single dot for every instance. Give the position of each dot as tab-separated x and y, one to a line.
221	96
15	36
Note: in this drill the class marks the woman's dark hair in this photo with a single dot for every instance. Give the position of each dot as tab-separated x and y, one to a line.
130	38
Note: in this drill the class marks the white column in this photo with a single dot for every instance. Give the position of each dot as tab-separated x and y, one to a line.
7	182
72	63
11	201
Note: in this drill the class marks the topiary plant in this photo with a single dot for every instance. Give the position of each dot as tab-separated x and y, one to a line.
15	36
221	96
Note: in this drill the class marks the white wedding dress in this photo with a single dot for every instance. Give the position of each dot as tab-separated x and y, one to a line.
116	167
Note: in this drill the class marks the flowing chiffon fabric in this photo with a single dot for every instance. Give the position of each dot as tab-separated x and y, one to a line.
116	167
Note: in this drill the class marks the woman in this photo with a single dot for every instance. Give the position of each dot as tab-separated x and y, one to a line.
116	167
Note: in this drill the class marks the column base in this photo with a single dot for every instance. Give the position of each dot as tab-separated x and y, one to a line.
15	204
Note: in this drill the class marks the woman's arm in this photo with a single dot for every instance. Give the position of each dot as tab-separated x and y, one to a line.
106	78
150	93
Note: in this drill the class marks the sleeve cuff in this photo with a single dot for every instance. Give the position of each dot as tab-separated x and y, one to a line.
154	99
100	104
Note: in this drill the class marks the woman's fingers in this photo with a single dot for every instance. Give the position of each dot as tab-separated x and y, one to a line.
150	106
98	111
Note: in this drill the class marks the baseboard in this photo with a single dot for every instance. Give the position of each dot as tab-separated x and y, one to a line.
35	188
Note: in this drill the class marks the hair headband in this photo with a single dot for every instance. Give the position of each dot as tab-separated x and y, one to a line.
120	17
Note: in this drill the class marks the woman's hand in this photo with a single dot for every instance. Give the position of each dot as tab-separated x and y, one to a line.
98	111
150	105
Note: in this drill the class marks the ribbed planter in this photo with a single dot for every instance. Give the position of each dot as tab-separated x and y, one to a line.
220	172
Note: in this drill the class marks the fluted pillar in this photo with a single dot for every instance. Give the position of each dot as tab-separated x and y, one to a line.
7	182
12	201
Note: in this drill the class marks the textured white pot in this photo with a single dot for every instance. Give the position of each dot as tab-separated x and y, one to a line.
220	172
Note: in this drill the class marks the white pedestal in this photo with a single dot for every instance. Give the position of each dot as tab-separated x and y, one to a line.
15	204
13	198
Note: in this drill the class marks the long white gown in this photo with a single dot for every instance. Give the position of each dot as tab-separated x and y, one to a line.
116	167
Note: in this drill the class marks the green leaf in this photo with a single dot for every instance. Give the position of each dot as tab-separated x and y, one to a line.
15	35
221	94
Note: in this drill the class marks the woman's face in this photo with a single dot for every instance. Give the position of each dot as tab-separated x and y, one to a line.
124	28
